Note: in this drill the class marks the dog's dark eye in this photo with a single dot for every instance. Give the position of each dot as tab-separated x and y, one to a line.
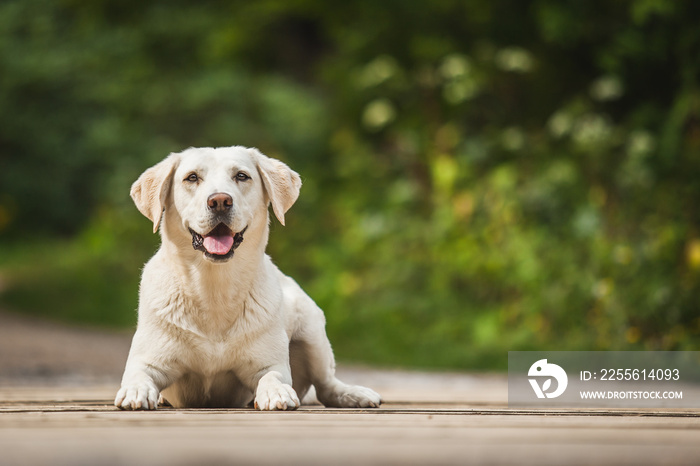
240	176
192	178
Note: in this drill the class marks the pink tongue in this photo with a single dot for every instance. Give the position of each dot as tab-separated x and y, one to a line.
219	245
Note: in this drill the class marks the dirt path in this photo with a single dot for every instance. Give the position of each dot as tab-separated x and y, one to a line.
36	351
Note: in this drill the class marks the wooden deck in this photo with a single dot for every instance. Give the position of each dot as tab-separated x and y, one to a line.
57	384
426	419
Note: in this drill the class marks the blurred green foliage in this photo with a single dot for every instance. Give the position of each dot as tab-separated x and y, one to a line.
479	176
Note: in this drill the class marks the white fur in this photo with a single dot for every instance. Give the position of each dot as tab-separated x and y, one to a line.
224	333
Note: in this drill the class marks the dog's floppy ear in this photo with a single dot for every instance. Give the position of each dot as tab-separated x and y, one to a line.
150	191
282	184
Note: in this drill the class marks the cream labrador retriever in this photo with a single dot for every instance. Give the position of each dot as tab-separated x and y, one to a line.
218	324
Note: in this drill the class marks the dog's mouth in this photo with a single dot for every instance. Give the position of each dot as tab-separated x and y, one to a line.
219	244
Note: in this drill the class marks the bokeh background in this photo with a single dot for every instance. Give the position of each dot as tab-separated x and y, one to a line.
479	176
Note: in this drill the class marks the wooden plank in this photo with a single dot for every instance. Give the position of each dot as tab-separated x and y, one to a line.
51	427
57	383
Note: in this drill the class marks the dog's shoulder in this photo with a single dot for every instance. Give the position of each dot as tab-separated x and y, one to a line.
157	272
160	287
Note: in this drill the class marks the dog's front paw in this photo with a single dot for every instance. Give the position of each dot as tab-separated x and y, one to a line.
137	396
350	396
280	396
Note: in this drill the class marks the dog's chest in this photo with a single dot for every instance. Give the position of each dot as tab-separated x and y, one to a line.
213	355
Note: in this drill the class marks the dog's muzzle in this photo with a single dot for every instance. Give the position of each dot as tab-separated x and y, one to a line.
219	244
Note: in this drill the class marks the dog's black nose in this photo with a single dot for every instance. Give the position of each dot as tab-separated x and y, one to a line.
220	202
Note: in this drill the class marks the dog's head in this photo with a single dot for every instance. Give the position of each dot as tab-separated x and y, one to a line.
216	195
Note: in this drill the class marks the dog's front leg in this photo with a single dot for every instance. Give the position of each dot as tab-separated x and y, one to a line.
274	390
138	391
270	376
144	377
